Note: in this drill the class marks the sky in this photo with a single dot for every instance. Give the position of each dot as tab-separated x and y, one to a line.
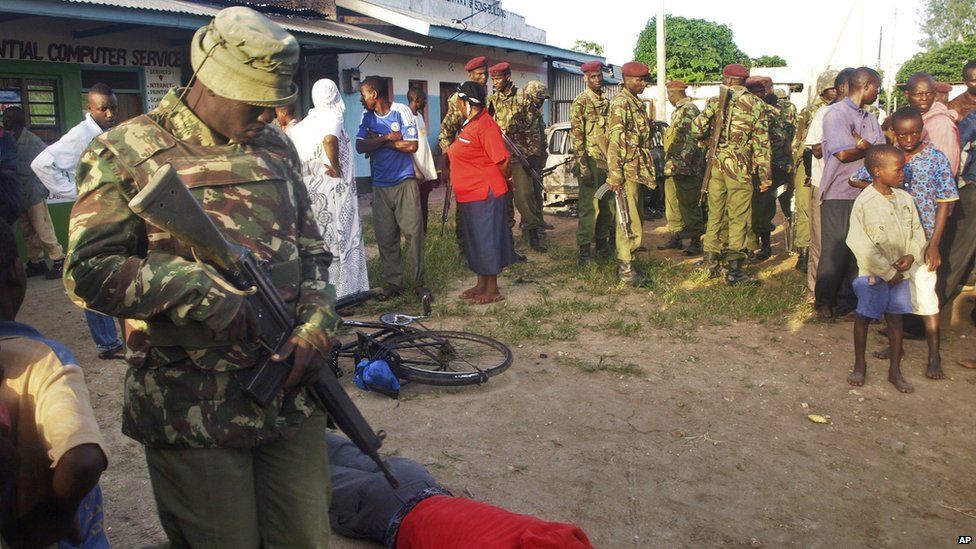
806	35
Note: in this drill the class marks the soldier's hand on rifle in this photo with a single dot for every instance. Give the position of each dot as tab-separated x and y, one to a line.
306	364
244	327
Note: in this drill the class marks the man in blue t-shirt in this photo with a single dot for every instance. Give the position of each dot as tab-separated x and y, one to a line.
388	137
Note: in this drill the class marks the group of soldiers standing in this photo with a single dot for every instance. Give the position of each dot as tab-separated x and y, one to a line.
728	161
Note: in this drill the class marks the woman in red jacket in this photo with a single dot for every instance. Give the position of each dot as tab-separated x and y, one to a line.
480	177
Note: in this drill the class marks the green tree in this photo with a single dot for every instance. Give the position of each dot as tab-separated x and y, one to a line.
947	21
584	46
768	61
943	63
697	49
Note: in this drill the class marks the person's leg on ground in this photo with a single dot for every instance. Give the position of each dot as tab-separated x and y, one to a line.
739	218
291	487
104	334
524	191
388	237
716	234
833	265
205	498
763	212
586	224
425	189
894	362
856	377
672	214
801	220
813	261
408	220
688	191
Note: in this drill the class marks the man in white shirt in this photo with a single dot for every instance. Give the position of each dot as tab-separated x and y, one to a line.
56	166
815	142
423	159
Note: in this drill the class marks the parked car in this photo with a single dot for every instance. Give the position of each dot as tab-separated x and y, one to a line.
560	188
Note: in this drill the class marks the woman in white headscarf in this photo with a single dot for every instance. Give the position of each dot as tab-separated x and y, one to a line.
327	169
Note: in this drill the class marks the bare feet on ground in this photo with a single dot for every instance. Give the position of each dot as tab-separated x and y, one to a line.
470	292
856	378
934	371
900	383
484	299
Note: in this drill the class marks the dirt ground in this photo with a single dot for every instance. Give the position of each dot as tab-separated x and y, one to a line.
709	445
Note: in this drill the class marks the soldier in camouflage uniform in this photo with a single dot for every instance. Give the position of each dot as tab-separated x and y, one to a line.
588	121
742	149
536	94
683	169
509	105
788	114
629	162
256	476
802	158
450	126
781	128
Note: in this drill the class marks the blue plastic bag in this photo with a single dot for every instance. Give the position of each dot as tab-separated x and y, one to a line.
376	376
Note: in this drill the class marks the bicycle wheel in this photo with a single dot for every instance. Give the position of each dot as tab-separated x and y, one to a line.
448	358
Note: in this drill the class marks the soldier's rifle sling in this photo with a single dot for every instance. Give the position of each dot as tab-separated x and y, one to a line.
718	123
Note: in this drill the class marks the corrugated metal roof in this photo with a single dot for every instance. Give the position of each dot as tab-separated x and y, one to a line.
319	27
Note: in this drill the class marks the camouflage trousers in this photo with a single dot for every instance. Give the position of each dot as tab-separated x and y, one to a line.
274	495
681	208
627	246
801	211
596	220
729	215
523	197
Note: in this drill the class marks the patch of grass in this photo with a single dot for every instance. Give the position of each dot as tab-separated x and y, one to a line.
622	327
605	364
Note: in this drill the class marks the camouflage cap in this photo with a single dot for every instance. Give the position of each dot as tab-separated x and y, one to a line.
537	90
244	56
781	93
826	81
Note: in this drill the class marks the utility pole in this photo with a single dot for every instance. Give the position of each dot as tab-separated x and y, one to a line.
662	94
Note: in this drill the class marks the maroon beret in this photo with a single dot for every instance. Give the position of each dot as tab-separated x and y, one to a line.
735	70
500	68
943	87
676	85
765	79
635	68
592	66
476	63
754	81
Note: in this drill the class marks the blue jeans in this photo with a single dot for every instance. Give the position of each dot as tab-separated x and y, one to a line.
103	331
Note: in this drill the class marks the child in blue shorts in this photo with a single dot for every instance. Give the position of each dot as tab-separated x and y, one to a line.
885	236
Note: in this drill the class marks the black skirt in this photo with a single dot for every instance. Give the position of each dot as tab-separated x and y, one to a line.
487	238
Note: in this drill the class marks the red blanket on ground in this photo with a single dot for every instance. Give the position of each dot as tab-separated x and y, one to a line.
443	522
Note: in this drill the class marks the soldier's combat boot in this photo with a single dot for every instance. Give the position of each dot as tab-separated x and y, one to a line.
584	254
802	258
537	242
604	248
712	265
695	247
629	275
673	243
737	277
56	272
35	268
765	247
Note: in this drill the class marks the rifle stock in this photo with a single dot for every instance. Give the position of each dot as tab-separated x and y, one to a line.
168	204
718	122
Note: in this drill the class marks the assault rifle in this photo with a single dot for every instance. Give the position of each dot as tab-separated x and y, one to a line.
718	124
623	211
524	161
167	203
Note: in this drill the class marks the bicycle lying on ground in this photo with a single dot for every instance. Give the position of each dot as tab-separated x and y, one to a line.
416	353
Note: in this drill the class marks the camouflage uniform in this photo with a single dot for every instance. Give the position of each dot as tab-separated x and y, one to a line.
801	214
180	388
588	121
511	114
535	148
782	126
450	126
743	149
629	162
683	168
